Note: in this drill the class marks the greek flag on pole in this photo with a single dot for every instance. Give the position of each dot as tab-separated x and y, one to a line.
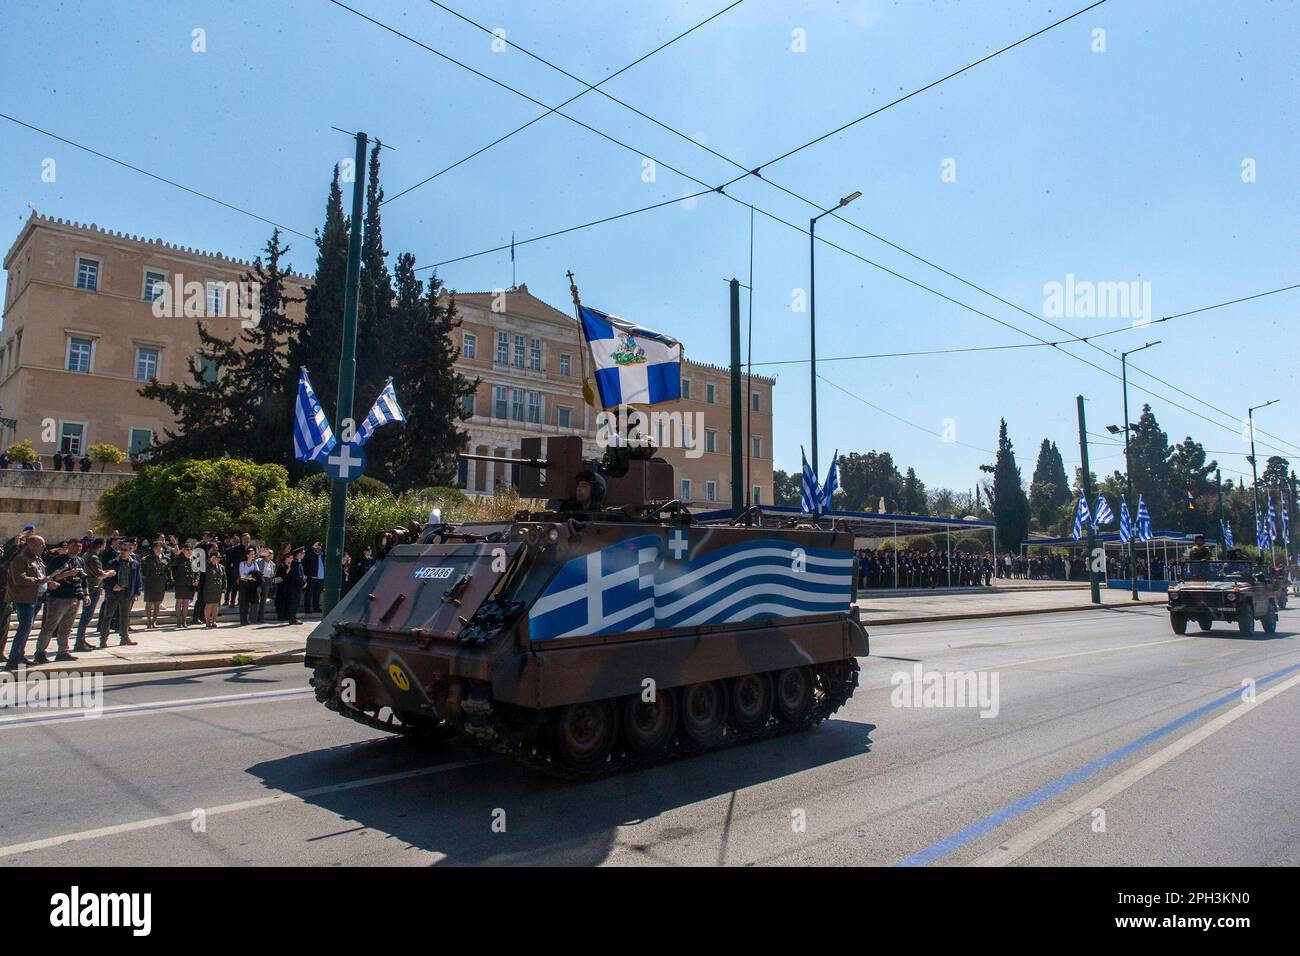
1227	536
633	365
313	439
1272	523
1103	515
810	500
832	481
1125	522
385	410
1286	524
1261	533
1081	517
1144	521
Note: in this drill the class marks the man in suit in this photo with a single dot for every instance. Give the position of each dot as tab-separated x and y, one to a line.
313	567
126	587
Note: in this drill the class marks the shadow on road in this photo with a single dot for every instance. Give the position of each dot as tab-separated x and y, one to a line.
547	821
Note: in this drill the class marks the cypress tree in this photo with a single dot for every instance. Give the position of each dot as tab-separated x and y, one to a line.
1010	504
317	344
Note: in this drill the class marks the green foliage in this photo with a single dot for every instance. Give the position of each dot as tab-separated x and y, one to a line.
922	542
319	484
971	545
106	454
223	495
785	489
1010	504
22	451
300	517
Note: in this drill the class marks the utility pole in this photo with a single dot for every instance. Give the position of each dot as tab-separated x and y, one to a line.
335	538
737	438
1254	473
812	313
1093	581
1128	472
1218	484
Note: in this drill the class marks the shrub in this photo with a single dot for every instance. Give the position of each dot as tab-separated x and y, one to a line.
300	517
106	454
22	451
189	497
319	484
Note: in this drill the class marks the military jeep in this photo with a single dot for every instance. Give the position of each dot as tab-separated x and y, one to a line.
1233	591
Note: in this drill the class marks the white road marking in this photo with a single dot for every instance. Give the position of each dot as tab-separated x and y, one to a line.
36	718
187	816
1099	650
1054	823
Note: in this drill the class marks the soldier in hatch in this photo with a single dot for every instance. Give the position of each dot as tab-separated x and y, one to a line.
588	492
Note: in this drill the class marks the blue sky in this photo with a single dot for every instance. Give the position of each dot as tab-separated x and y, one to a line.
1117	166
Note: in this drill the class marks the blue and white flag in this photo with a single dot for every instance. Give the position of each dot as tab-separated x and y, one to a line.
832	481
1261	533
1272	523
633	365
1227	535
1144	521
1103	515
385	410
1081	517
1286	524
811	493
313	439
1125	522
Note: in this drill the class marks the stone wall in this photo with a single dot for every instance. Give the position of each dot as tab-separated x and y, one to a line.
61	505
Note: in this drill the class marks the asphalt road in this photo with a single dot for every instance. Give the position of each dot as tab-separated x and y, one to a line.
1114	743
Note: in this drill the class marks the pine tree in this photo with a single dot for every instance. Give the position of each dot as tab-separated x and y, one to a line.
1010	504
317	344
913	494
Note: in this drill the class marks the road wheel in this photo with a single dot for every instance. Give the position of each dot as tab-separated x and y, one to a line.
704	712
1205	622
1270	620
751	701
1177	622
649	726
794	694
585	734
1246	621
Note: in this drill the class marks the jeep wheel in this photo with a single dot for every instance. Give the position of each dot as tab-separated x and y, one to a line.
1246	621
1205	622
1177	622
1270	620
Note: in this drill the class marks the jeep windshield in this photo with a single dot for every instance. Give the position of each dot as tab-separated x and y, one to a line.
1217	571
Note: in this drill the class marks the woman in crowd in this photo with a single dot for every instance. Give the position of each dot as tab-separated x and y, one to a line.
185	580
214	588
157	576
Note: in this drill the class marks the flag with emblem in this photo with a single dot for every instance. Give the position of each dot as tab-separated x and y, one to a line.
1144	521
385	410
1125	522
632	365
811	493
313	439
1081	517
1191	500
1102	515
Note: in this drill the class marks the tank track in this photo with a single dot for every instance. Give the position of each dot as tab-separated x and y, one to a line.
482	724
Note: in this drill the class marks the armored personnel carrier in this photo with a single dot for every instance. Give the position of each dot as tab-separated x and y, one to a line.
596	635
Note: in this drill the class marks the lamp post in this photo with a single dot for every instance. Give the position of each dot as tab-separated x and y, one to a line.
1254	472
1128	468
812	311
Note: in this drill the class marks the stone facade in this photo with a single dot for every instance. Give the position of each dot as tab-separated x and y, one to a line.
59	504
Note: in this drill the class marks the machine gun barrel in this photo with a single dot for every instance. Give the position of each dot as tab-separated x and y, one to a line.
501	459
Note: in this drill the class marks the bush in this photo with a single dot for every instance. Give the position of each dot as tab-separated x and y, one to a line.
921	543
106	454
971	545
187	498
22	451
319	484
300	517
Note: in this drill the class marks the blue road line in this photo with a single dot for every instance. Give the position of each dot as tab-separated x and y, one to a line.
1028	802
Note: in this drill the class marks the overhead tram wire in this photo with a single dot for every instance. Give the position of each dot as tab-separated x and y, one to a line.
900	418
863	229
162	179
721	189
553	109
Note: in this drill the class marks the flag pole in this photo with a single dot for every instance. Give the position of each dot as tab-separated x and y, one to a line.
588	393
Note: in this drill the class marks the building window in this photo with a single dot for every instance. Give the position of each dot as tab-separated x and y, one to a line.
710	440
215	298
469	348
564	417
80	352
146	364
499	401
462	474
688	435
709	393
686	489
566	364
758	494
72	437
756	446
534	408
711	490
153	284
88	275
140	440
208	369
467	405
686	388
517	404
755	401
535	354
503	349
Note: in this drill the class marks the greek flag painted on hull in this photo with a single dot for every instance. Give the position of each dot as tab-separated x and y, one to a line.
639	584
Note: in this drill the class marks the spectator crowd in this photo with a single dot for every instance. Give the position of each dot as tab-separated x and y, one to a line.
85	589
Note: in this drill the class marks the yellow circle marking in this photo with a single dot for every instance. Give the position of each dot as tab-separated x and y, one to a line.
399	677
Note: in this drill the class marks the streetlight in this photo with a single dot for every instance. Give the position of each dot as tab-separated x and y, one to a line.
812	310
1254	472
1128	467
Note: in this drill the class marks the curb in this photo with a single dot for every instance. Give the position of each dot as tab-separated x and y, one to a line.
976	615
206	662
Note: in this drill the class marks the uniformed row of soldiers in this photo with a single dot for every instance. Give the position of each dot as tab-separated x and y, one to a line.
886	568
